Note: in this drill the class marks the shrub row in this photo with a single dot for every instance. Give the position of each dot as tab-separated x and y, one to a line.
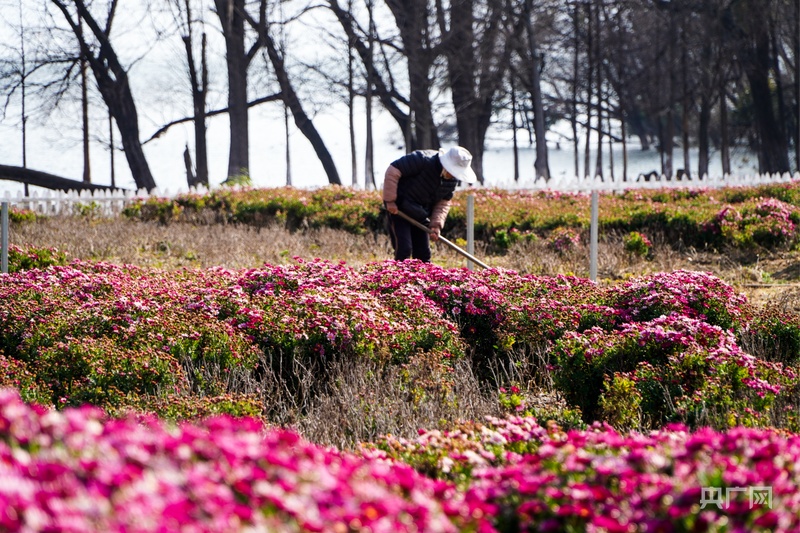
745	217
653	350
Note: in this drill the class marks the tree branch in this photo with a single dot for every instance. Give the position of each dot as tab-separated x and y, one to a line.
161	131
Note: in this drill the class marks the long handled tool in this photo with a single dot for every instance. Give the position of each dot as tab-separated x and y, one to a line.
448	243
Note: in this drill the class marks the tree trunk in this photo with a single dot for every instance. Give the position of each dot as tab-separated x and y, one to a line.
669	138
598	162
704	117
411	17
87	162
782	116
575	69
589	88
288	151
379	89
231	16
187	164
748	22
513	91
702	136
351	102
772	143
199	87
541	166
624	145
369	171
796	47
47	181
725	145
687	167
462	68
200	128
598	167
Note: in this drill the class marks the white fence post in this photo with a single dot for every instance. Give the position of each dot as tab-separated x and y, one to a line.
470	228
4	238
593	237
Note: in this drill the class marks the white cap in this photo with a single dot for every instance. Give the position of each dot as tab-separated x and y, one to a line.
457	161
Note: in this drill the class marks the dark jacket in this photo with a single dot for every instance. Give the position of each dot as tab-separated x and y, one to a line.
422	179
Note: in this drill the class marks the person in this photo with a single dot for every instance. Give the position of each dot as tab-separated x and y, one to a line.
421	185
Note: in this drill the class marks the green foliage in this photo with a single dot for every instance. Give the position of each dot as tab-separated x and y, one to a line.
162	210
664	347
637	244
179	407
88	210
773	335
21	216
28	258
620	402
671	369
767	223
242	179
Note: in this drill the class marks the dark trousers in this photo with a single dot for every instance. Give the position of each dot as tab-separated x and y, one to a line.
408	241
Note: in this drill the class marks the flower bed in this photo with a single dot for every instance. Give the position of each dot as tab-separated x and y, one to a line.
80	471
653	350
544	479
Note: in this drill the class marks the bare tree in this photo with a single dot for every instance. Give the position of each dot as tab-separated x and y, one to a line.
541	165
380	79
288	94
112	81
420	50
198	83
746	20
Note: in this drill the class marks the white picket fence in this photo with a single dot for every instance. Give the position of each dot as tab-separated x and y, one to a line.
581	184
111	203
99	202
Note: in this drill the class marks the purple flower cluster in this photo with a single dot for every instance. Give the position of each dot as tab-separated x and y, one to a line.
688	293
765	222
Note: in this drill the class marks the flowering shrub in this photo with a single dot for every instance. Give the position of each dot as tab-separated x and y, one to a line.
765	222
673	368
27	258
194	342
564	240
20	216
100	333
334	206
691	216
692	294
77	470
537	478
637	244
505	239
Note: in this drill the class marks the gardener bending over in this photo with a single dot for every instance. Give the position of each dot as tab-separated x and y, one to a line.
421	185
